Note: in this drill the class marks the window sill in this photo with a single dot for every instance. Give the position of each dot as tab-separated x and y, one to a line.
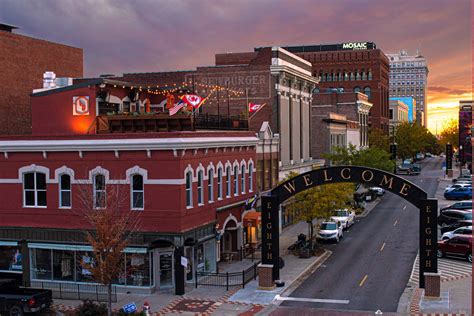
33	206
137	209
200	204
219	199
210	202
189	207
65	207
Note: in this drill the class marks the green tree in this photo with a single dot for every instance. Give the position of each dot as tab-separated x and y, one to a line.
412	138
372	157
379	139
450	133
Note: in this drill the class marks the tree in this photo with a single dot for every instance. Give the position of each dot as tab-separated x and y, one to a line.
412	138
111	227
450	133
368	157
379	139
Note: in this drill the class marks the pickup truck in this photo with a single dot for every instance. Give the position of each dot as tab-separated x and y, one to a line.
16	301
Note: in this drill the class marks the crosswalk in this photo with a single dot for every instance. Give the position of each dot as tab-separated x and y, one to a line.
450	269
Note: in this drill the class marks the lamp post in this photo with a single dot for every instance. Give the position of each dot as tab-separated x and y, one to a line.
461	158
393	156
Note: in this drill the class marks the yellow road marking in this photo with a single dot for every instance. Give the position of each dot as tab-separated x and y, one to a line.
363	280
395	224
383	246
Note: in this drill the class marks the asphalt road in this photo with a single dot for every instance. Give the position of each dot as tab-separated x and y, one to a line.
371	266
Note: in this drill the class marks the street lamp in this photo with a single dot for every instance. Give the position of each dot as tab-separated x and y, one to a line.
461	158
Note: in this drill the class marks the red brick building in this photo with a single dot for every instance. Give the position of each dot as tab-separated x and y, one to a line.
23	61
353	67
189	188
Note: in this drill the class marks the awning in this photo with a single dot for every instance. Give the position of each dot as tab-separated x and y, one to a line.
78	247
253	217
8	243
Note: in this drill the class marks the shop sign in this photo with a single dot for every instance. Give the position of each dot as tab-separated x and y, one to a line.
355	45
129	308
80	105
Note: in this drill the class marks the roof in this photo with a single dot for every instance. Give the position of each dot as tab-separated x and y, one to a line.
7	27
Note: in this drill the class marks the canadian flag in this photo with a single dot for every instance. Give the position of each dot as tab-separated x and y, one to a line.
255	107
193	100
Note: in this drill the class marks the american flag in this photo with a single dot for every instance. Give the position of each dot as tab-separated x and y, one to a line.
177	107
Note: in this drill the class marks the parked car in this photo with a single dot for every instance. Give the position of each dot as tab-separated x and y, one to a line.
416	167
15	300
330	231
461	205
463	177
407	161
378	190
420	156
448	217
408	169
462	193
459	231
429	155
457	185
458	246
346	217
456	225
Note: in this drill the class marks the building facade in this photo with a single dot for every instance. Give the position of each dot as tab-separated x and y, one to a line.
398	114
23	61
409	78
189	189
352	67
410	103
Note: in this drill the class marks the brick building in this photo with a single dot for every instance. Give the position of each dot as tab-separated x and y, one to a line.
353	67
23	61
271	76
343	120
188	188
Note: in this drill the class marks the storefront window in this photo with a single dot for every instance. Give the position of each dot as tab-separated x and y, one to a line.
10	258
210	255
84	261
138	269
41	264
63	265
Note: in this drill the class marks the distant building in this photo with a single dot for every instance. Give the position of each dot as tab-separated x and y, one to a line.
408	78
411	104
23	61
352	67
465	128
398	114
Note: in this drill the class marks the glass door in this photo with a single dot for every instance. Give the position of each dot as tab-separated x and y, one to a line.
166	269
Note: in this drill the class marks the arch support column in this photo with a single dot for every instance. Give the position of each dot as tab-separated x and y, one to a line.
428	239
270	235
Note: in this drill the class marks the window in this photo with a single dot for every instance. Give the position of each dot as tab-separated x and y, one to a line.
34	189
189	189
236	180
242	179
126	106
200	188
210	185
99	191
250	177
367	92
65	191
391	114
219	183
137	192
227	182
356	89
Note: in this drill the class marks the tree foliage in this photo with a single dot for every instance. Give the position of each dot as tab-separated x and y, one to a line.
450	133
379	139
372	157
412	138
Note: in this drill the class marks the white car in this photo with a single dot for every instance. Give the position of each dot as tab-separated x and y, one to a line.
467	230
379	191
330	231
345	217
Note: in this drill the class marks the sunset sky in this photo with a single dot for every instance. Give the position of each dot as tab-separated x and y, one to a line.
150	35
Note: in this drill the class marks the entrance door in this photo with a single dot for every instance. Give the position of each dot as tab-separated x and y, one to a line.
166	269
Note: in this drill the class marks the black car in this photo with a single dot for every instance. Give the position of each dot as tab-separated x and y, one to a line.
456	225
461	205
449	217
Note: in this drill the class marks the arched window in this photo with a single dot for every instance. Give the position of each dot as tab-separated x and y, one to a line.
316	90
65	191
356	89
250	177
200	190
227	182
189	189
210	185
364	77
346	76
242	178
369	75
34	189
351	76
357	75
99	191
137	192
219	183
329	77
236	180
367	92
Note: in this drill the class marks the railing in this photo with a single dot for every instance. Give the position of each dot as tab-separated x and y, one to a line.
76	291
210	121
226	279
143	123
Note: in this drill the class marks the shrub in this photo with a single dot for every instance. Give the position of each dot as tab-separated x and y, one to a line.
89	308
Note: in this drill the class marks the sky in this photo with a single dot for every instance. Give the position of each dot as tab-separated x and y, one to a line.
120	36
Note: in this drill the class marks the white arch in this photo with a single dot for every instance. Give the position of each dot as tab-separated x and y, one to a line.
227	164
63	170
209	167
113	99
199	168
136	170
243	163
253	164
189	169
227	220
33	168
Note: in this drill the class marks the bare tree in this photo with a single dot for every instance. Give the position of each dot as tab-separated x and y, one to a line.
106	210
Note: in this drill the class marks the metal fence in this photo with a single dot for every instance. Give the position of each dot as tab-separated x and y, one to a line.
210	121
226	279
76	291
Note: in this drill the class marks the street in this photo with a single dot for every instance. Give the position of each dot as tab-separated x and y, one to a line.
370	267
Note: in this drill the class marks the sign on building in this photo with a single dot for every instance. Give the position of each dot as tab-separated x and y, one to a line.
80	105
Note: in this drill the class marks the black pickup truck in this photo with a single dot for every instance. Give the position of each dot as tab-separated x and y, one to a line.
16	301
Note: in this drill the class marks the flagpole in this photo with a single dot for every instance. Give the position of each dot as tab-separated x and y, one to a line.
194	112
228	102
247	103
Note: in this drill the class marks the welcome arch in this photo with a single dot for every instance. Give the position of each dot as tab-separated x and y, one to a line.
405	189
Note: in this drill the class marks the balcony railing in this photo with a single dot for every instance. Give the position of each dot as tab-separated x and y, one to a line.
210	121
143	123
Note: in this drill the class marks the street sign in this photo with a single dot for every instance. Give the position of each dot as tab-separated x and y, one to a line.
129	308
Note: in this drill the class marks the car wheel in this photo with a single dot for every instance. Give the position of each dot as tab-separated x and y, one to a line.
469	258
440	253
15	311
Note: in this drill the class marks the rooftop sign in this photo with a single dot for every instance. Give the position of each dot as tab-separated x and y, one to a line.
355	45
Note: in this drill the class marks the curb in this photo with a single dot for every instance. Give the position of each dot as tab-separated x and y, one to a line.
367	211
309	270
